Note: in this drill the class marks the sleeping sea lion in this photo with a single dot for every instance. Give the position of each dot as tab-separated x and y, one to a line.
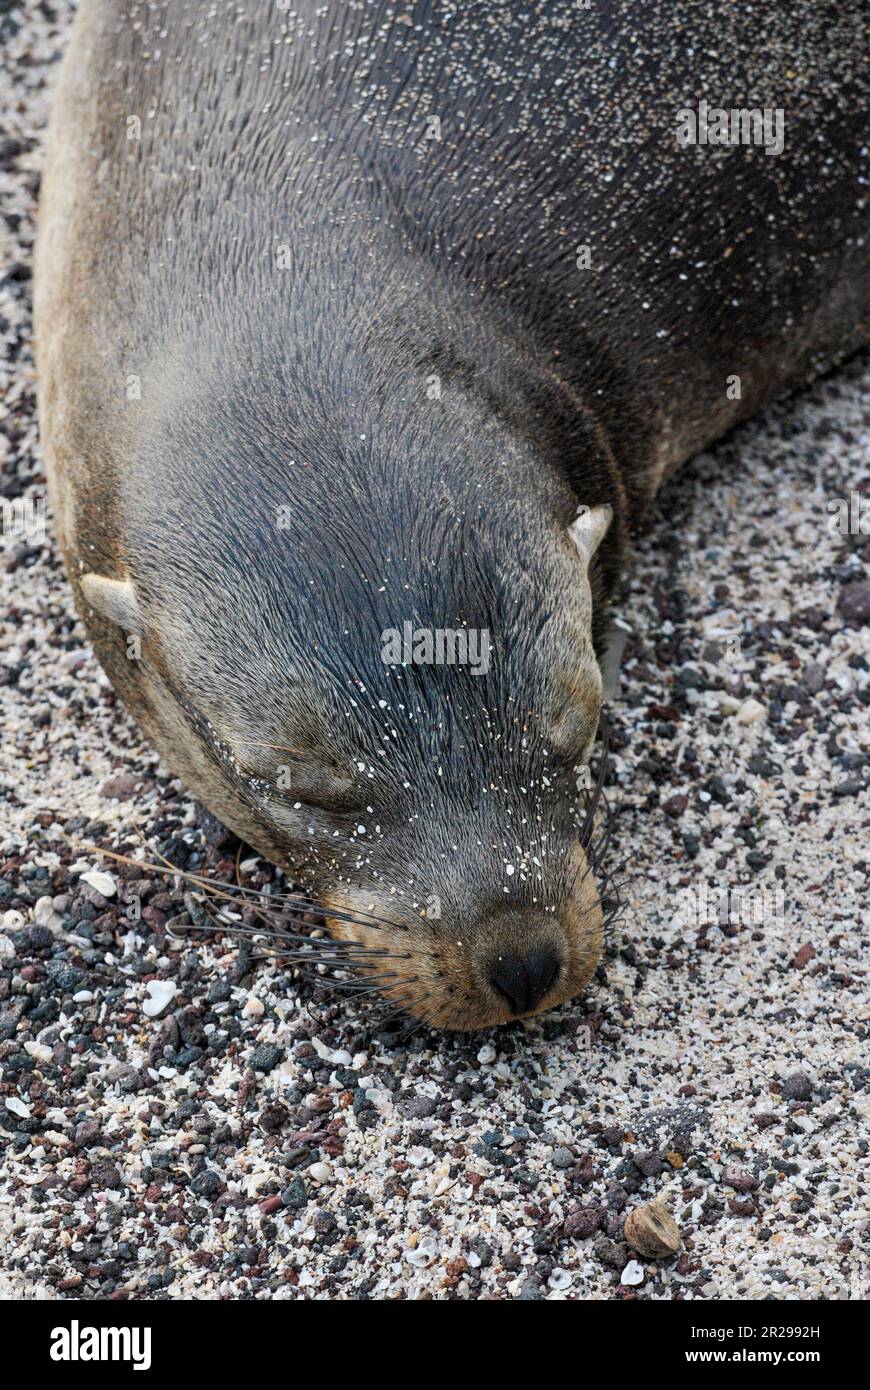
366	335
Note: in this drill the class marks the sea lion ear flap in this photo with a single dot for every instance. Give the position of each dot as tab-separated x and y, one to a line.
588	530
114	599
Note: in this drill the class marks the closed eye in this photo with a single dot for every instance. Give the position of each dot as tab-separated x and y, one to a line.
303	787
334	805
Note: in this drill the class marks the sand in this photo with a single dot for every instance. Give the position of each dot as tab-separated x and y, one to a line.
260	1138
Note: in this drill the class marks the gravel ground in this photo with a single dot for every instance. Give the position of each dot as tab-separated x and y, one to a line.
256	1139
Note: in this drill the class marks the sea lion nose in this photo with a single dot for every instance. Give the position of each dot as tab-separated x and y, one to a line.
524	980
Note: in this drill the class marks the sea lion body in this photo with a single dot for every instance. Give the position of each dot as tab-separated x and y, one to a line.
341	315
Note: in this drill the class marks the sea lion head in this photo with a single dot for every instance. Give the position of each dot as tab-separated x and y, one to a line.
396	704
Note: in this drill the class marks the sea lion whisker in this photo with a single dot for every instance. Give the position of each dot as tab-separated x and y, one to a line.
354	949
359	962
596	794
357	988
400	1012
237	929
233	892
412	1030
311	959
215	887
356	916
253	897
360	988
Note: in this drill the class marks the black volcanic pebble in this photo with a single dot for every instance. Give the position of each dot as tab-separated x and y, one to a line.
797	1087
266	1057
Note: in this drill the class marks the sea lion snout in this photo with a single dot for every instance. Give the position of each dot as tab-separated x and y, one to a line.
524	980
474	966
